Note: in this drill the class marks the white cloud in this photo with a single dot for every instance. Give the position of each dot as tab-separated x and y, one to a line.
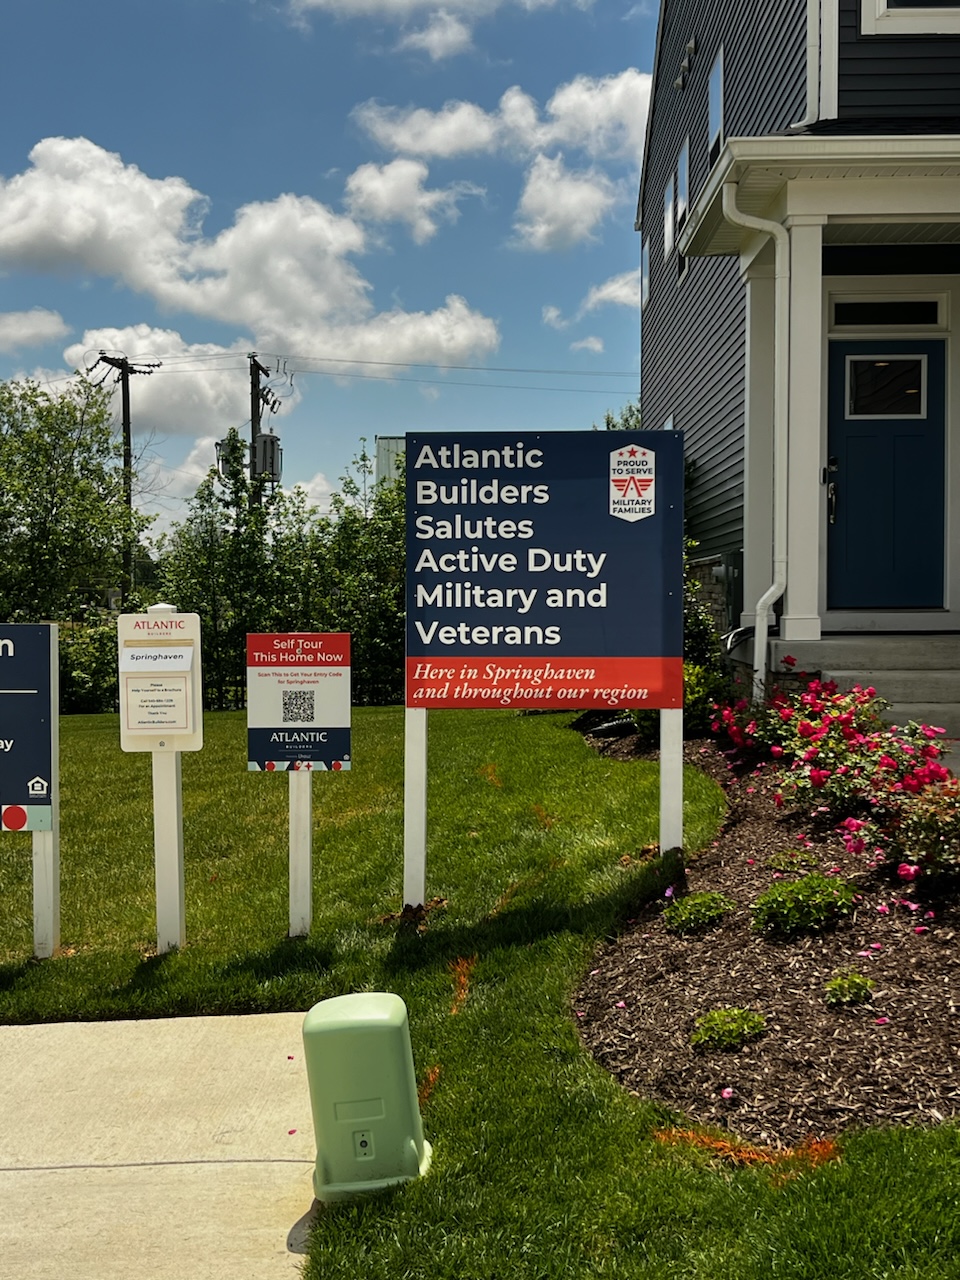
588	344
282	272
458	128
395	192
622	291
604	117
553	317
32	328
559	209
318	490
444	36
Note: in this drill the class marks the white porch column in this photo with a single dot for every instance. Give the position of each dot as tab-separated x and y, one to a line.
758	439
801	606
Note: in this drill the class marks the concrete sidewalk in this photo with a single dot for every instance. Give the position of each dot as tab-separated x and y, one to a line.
179	1149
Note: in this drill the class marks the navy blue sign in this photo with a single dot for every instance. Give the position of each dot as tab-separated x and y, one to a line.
563	547
26	728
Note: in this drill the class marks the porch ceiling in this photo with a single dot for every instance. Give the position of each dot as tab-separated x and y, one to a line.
762	167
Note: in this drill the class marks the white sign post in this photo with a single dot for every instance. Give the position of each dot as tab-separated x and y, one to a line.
161	711
298	722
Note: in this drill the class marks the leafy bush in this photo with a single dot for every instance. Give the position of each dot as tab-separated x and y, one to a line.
815	901
834	747
88	665
727	1029
848	988
924	828
696	911
791	860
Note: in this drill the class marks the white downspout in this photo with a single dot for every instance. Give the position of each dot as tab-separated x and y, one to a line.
812	112
781	385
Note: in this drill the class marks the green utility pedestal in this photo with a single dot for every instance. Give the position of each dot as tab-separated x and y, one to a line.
363	1094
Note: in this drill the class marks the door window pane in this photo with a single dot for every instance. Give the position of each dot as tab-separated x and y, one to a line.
880	387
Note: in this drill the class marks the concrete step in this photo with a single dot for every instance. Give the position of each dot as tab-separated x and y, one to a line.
942	715
870	652
929	686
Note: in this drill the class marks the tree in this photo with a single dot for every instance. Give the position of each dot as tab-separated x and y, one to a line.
281	565
628	419
63	519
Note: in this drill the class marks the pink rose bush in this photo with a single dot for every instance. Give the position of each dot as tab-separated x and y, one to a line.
886	786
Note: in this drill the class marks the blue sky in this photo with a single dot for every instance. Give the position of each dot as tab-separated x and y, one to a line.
368	193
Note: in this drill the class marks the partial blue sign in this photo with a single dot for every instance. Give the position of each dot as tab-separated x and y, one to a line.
27	727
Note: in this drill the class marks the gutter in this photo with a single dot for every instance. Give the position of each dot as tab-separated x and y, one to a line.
781	243
812	112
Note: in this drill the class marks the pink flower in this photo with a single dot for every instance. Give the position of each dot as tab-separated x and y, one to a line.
911	906
819	776
751	863
776	750
621	1004
921	928
788	661
580	1013
853	824
726	1093
908	871
929	915
778	800
883	909
881	1022
876	946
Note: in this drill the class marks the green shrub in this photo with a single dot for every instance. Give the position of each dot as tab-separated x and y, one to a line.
791	860
88	664
848	988
727	1029
928	831
696	911
813	902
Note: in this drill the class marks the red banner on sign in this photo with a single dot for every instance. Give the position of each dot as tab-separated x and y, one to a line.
545	684
299	649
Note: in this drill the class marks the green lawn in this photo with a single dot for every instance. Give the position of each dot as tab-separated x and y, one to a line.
543	1168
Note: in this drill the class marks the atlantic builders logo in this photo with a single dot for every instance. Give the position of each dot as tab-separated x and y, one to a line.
633	487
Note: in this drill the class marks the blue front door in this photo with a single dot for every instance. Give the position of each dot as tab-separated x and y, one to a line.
885	475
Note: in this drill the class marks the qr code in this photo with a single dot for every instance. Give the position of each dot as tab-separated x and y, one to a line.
298	706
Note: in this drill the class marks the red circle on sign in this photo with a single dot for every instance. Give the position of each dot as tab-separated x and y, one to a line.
14	817
337	764
270	765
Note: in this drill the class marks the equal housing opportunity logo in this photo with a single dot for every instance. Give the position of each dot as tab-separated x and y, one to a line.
633	483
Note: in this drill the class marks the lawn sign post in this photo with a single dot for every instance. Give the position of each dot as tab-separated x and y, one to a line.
161	711
544	572
298	721
30	763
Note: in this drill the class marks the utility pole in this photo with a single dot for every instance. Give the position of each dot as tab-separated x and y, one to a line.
125	368
259	396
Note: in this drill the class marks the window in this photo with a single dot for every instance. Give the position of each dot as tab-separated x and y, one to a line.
715	109
909	17
667	424
683	184
683	199
886	387
668	218
645	274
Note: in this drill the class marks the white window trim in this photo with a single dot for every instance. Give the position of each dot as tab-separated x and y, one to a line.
683	196
877	18
881	355
645	273
871	331
669	217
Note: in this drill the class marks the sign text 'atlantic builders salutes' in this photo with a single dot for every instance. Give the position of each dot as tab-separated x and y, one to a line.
545	570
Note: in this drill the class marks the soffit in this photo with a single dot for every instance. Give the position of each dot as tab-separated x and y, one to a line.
762	168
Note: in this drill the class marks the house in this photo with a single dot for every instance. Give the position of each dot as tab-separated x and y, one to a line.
800	291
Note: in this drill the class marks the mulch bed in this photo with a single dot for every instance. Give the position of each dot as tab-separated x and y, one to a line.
816	1071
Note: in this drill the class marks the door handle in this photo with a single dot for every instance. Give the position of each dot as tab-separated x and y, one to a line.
832	502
